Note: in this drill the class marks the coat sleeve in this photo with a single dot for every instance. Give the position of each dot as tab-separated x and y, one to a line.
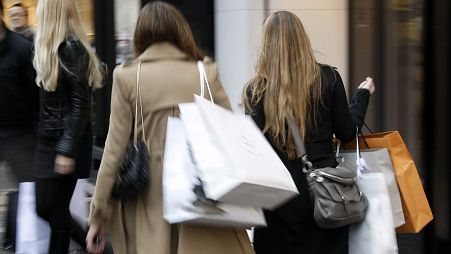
219	95
347	118
114	152
75	60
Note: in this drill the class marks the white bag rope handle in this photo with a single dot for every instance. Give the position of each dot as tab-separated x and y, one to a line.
138	97
360	162
357	144
204	81
337	152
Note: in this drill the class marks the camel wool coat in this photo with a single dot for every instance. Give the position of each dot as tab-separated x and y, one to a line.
168	77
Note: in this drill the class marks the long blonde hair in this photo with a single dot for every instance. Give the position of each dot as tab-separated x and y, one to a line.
56	20
287	78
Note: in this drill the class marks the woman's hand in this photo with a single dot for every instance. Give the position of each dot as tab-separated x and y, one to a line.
95	240
64	165
368	84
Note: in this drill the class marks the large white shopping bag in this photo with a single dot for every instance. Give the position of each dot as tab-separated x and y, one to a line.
236	162
33	233
379	160
376	234
79	204
179	180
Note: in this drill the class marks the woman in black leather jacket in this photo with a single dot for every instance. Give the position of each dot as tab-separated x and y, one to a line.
290	83
67	70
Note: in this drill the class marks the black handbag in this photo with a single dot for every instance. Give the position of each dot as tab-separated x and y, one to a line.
334	193
134	176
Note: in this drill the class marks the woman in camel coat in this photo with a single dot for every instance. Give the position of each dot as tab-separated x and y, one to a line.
169	76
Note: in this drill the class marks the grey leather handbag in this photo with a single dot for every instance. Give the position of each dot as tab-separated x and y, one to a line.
333	191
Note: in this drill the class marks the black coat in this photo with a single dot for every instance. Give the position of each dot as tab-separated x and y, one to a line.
291	227
18	91
65	115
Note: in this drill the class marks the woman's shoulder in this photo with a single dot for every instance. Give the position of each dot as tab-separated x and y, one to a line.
71	42
329	71
211	68
71	47
210	65
330	76
125	74
125	67
129	67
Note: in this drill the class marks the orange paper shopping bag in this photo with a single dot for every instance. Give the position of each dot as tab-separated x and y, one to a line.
417	212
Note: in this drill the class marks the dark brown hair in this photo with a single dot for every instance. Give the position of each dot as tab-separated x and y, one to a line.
162	22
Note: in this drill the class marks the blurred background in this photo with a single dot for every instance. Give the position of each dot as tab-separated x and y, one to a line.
403	44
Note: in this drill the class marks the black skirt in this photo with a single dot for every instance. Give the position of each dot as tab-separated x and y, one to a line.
291	228
44	159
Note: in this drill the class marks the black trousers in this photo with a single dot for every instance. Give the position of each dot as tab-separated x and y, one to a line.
52	204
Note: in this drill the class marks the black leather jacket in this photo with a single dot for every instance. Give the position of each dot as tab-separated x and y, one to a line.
65	114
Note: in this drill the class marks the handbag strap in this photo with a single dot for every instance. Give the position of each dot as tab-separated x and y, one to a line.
203	81
138	97
296	137
300	147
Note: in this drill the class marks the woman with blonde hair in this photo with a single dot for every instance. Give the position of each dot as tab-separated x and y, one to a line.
290	83
67	70
166	57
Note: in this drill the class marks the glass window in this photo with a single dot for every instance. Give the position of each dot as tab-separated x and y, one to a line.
125	14
404	71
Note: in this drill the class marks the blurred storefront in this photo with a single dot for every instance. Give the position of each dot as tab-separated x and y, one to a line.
436	133
405	45
386	42
86	11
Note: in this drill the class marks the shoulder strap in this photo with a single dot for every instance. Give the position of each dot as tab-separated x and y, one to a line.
296	137
295	133
138	97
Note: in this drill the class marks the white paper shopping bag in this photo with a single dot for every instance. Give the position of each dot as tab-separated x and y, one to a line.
179	180
79	204
379	160
376	234
33	233
236	162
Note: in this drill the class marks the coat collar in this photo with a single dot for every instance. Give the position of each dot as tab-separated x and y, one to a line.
161	50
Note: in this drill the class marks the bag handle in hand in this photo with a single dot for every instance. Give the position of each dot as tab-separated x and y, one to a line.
337	152
368	128
138	97
204	81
